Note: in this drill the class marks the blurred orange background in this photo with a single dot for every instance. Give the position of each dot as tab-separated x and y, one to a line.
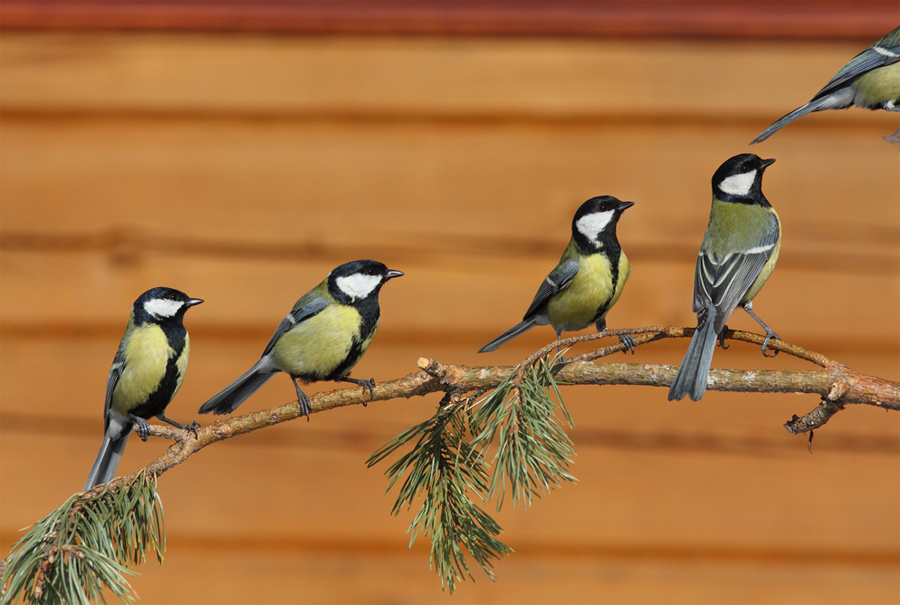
239	151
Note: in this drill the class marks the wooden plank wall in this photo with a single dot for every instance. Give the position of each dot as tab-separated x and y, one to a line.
242	167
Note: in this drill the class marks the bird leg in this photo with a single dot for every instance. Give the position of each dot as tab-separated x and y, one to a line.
366	384
770	333
192	427
559	357
143	429
302	399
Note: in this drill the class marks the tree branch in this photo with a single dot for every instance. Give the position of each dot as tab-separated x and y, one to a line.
445	469
837	384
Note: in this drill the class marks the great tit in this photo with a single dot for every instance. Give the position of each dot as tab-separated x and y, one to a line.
737	256
588	280
146	373
870	80
322	338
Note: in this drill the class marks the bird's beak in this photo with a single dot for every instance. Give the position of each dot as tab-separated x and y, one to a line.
193	301
625	205
768	162
391	274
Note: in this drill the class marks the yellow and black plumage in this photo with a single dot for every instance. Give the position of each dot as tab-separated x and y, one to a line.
870	80
322	338
586	282
737	255
146	373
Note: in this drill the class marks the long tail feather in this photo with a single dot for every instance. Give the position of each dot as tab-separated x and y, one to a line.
107	461
514	331
228	399
692	375
826	102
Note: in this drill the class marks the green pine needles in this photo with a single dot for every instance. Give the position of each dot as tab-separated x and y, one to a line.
83	546
513	431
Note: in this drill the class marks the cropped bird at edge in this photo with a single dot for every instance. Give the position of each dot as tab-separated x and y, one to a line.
737	256
588	280
322	338
146	374
870	80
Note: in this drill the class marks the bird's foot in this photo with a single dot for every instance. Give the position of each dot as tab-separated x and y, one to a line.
143	429
365	384
303	402
302	399
721	338
628	341
769	336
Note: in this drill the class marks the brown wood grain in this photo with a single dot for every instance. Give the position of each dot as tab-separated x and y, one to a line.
564	80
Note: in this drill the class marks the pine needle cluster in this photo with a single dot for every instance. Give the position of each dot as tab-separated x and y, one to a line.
471	451
70	555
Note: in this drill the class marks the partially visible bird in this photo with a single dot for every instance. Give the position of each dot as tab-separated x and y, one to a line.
322	338
737	256
146	373
870	80
588	280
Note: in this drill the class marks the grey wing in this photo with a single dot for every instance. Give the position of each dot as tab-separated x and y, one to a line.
298	314
867	60
558	279
724	280
115	372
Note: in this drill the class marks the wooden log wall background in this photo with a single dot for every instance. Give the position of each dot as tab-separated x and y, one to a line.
241	167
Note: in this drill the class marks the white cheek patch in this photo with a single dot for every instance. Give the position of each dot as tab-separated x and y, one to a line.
161	307
358	285
591	225
738	184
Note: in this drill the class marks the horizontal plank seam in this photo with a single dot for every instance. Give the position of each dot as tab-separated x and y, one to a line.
632	552
128	244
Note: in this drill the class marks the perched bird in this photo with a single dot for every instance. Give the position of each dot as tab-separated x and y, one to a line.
322	338
870	80
146	373
737	256
588	280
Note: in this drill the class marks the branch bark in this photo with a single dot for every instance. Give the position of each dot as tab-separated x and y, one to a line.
835	383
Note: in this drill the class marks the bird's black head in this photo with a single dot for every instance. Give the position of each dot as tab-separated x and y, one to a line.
596	219
359	280
158	305
739	179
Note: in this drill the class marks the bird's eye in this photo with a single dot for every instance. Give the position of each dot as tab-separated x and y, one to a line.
745	169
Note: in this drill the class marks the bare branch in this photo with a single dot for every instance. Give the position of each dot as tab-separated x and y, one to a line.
837	384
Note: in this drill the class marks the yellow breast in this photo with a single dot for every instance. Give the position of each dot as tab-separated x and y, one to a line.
320	344
581	303
146	355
